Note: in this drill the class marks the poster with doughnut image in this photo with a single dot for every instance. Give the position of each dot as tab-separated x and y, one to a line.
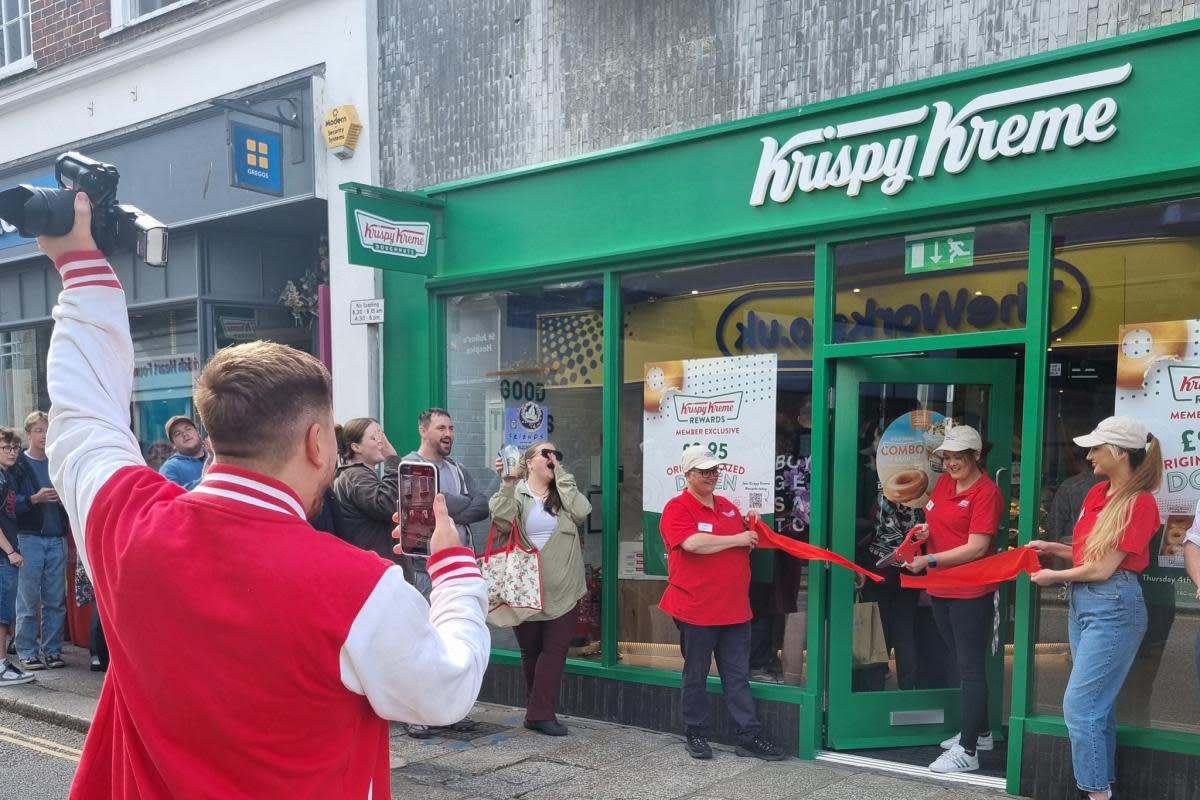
726	405
1158	382
904	459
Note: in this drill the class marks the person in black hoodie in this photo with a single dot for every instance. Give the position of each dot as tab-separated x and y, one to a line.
366	499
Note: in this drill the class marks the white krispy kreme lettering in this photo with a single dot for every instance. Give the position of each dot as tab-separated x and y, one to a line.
954	140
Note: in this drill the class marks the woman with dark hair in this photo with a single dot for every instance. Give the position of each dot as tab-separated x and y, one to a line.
549	509
962	518
1107	616
366	499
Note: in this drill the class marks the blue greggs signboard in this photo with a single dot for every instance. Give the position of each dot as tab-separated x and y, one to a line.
257	158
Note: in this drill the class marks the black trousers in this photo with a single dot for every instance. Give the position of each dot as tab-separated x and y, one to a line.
731	645
966	627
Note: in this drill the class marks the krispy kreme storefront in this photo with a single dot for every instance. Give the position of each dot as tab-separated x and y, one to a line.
817	296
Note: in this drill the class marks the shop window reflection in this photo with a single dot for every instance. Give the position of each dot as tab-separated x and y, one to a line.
678	321
167	359
526	365
1139	268
23	373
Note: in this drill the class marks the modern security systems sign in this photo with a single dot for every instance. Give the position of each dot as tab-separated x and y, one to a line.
392	237
257	158
981	130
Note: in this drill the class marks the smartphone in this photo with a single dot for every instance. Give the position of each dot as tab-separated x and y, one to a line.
418	487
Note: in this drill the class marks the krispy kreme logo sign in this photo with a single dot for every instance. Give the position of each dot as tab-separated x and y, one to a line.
720	408
382	235
1185	383
824	158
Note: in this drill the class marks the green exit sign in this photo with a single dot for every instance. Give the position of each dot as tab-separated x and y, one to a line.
933	251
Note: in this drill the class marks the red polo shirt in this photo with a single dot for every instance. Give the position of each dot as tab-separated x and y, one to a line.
953	516
711	589
1144	522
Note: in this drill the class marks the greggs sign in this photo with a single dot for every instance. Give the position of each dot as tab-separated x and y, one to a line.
822	158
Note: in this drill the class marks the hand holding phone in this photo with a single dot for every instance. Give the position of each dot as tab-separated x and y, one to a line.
445	532
418	488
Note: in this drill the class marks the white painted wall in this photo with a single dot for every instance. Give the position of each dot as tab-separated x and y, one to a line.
230	47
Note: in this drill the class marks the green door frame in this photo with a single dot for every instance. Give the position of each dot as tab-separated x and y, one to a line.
863	719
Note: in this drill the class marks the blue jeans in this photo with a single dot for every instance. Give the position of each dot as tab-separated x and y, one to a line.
1106	625
8	594
42	581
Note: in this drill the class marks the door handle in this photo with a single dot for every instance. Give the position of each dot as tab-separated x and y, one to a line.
996	476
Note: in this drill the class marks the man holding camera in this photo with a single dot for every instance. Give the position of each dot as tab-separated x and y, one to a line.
331	640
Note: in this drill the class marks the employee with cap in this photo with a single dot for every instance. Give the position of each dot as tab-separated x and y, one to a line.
708	596
1107	615
186	466
961	521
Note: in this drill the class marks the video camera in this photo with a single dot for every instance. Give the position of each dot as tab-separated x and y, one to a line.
40	211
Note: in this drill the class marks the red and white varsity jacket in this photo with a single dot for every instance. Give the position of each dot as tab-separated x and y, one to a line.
251	656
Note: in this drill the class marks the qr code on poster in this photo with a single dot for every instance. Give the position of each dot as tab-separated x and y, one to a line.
756	499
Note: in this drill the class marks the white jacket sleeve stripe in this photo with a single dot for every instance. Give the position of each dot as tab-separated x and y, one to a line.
415	662
90	375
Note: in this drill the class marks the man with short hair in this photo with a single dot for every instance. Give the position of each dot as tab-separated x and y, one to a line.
42	582
464	501
326	641
186	465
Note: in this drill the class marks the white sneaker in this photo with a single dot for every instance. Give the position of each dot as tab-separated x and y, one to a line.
955	760
12	675
984	742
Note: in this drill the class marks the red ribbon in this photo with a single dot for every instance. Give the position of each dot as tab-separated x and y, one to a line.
809	552
994	569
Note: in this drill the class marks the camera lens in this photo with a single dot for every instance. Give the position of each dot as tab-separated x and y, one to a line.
37	210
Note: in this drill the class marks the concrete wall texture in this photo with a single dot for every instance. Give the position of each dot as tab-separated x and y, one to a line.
472	87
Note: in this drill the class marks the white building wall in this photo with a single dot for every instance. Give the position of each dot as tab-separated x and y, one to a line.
224	49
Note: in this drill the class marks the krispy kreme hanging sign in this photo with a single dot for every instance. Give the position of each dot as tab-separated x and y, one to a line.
838	157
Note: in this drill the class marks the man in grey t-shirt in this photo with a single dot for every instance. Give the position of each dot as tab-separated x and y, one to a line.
465	501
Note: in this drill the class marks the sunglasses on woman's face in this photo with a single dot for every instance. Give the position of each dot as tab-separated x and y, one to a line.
547	452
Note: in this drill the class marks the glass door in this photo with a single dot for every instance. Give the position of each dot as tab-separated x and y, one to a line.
890	414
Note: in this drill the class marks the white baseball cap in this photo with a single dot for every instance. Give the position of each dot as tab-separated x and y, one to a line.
697	456
1123	432
960	437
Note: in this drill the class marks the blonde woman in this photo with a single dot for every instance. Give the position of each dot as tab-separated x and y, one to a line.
1107	613
549	510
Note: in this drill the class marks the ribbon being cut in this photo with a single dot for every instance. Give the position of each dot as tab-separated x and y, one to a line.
994	569
809	552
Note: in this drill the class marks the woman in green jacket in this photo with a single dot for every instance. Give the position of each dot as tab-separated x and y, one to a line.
549	510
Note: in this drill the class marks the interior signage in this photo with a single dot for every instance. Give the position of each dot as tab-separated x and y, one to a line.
982	129
933	251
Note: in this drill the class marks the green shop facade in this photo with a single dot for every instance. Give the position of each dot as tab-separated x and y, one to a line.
1004	247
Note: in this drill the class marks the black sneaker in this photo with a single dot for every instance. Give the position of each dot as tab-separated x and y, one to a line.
12	675
97	665
697	746
32	664
464	725
549	727
55	662
419	731
758	747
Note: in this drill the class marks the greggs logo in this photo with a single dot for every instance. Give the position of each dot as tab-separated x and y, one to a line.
405	239
721	408
953	142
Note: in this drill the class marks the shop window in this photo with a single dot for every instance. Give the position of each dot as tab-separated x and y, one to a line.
23	374
525	366
719	355
234	324
940	282
1127	341
167	359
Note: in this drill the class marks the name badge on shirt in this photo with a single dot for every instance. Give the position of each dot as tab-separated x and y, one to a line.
704	527
929	506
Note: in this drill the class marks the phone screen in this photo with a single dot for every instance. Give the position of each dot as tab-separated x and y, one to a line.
418	487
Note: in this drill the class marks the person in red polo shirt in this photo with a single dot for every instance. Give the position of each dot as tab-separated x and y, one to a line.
961	519
708	596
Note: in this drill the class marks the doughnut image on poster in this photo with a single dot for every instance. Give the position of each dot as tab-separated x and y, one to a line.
1142	345
662	379
905	457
